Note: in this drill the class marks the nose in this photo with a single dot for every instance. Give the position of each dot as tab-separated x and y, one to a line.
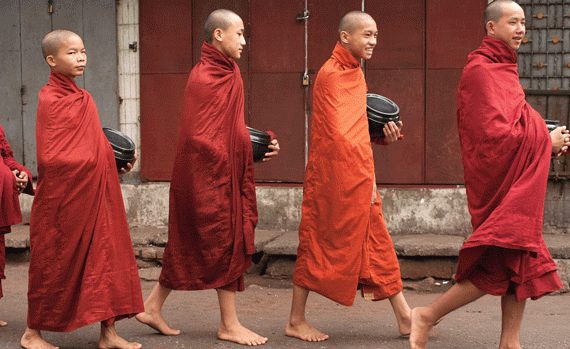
81	57
242	41
373	41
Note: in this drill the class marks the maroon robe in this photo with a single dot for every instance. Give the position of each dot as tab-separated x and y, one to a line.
506	155
213	210
9	202
82	269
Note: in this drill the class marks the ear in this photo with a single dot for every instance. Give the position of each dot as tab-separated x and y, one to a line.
218	34
50	59
344	36
490	26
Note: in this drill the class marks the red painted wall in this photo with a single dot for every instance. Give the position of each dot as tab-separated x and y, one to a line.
421	50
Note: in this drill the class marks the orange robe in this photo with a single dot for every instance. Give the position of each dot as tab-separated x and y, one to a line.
344	244
82	268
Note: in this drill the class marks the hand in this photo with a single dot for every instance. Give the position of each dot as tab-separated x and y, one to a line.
129	166
21	180
560	141
274	146
392	131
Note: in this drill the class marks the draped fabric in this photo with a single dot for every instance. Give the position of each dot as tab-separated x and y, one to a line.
506	155
213	210
344	243
82	269
9	203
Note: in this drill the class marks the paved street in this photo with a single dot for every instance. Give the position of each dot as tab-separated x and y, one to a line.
264	308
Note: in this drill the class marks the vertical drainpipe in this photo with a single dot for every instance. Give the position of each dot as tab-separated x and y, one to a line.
306	89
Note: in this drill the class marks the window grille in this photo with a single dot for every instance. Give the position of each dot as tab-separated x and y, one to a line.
544	55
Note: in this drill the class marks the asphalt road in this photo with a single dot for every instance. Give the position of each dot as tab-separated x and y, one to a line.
264	308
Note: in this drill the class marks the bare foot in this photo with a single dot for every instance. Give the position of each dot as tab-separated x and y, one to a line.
2	323
116	343
32	339
156	321
305	332
240	335
421	325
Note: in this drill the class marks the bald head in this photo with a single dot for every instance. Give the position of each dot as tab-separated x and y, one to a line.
53	41
352	21
219	19
494	11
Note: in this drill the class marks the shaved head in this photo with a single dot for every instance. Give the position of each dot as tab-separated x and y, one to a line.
53	41
219	19
494	11
352	21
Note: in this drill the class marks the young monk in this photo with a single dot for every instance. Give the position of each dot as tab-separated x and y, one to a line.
506	156
213	209
82	267
14	180
343	241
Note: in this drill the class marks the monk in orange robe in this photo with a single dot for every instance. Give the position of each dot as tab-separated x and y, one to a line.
82	268
14	180
344	244
506	157
213	210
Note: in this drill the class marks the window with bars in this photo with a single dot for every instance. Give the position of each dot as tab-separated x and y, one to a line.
544	55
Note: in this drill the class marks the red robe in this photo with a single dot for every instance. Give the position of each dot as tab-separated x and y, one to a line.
344	243
9	203
82	269
213	209
506	156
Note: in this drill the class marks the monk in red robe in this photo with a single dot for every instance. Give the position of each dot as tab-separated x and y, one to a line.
83	268
213	209
506	156
14	180
344	244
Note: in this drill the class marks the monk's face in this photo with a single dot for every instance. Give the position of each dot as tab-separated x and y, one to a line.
362	40
510	28
70	60
232	39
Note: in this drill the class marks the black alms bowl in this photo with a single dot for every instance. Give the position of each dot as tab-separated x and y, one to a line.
551	125
260	143
380	111
123	147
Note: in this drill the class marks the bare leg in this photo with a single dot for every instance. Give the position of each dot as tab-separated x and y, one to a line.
512	319
423	319
403	313
152	315
111	340
230	327
298	326
32	339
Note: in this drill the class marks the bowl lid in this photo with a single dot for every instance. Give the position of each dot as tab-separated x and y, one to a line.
119	141
258	136
381	106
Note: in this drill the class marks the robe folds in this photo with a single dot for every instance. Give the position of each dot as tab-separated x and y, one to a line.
344	244
9	202
506	151
82	269
213	210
